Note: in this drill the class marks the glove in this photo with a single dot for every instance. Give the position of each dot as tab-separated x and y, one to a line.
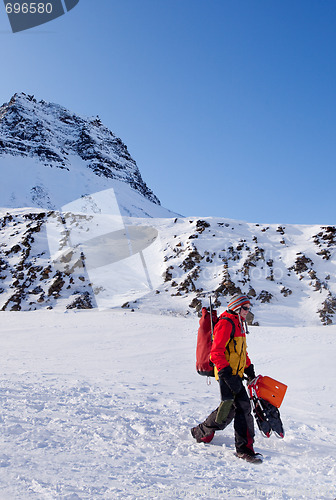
250	373
233	382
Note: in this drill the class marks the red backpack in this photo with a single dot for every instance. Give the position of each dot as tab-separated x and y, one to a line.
205	333
204	342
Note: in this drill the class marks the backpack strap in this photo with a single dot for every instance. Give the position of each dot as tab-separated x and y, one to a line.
233	331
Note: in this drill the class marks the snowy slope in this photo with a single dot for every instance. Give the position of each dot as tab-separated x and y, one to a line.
98	405
288	271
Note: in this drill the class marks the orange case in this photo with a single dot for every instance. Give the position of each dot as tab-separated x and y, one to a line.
270	389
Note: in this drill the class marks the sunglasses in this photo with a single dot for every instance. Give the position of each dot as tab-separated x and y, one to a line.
246	308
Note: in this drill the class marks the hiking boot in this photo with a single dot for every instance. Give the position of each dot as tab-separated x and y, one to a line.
195	432
250	456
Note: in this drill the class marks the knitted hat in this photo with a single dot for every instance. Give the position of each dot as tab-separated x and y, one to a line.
237	301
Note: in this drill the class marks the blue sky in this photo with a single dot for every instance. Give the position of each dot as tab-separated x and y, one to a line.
227	106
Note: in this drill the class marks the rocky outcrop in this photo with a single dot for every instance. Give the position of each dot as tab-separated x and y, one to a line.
328	310
28	278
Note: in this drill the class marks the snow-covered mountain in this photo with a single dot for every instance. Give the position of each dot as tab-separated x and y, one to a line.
98	236
50	156
288	271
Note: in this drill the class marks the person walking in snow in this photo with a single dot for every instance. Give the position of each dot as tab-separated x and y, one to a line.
229	355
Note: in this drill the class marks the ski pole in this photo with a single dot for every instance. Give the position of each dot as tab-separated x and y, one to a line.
211	322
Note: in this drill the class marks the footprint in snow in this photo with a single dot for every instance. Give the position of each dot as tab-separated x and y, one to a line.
4	461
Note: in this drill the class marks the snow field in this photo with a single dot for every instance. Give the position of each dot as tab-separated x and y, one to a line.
99	405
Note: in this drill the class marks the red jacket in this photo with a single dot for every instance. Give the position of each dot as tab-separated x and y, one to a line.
227	352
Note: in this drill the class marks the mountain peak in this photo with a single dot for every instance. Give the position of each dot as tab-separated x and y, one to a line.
41	142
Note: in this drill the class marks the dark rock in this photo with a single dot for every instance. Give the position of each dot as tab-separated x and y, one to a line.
82	302
265	296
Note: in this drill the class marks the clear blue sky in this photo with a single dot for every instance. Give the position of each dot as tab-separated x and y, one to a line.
227	106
